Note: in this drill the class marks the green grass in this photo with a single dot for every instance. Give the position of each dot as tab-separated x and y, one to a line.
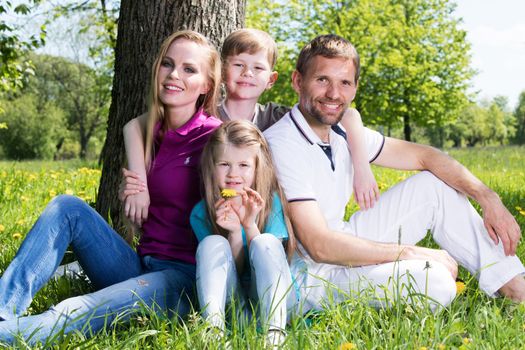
472	321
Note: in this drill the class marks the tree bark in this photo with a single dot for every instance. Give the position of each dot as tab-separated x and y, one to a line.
143	25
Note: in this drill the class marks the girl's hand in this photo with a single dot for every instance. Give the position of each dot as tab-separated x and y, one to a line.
226	217
252	204
366	192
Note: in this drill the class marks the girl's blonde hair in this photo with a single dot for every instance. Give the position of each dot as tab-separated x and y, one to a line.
242	133
207	101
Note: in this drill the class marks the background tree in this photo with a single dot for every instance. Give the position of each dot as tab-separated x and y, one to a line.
82	92
13	46
415	59
519	114
31	127
142	26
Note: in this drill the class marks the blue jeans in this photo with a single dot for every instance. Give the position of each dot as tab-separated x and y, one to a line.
124	281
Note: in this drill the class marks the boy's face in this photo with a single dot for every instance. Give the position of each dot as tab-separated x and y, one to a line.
246	76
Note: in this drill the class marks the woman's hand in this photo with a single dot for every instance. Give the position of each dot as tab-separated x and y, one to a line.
134	194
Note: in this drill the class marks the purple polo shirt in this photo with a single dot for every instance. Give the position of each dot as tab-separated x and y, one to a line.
174	187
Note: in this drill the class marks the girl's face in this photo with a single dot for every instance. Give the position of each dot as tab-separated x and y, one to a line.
183	76
235	166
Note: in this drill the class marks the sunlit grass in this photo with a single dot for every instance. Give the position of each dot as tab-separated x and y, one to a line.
472	321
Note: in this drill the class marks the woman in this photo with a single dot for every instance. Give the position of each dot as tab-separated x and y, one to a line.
161	274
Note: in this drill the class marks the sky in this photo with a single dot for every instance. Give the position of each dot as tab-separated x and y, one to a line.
496	30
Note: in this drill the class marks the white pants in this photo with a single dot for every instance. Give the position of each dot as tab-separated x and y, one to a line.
405	213
218	282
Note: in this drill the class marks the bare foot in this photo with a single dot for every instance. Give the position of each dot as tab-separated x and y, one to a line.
514	289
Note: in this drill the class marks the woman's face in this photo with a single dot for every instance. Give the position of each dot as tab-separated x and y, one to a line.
183	76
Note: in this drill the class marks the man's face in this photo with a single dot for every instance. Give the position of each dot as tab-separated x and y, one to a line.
326	89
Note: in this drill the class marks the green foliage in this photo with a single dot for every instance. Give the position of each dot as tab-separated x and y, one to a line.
519	115
13	46
31	128
472	321
415	59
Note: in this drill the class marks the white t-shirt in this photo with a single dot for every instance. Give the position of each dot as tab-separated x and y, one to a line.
306	172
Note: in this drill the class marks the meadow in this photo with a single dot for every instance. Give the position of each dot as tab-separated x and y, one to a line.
472	321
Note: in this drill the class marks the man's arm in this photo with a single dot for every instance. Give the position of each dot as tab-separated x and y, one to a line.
499	222
331	247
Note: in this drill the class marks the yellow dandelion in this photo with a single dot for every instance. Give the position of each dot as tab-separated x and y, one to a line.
347	346
2	228
17	235
3	125
522	212
422	348
460	287
228	193
69	191
52	193
467	341
23	198
518	208
20	222
441	347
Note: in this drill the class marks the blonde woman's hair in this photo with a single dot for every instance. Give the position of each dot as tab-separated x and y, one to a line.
207	101
242	133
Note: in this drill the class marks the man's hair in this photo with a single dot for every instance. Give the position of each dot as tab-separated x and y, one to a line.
251	41
329	46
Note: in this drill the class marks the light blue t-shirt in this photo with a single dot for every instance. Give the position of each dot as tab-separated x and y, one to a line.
275	224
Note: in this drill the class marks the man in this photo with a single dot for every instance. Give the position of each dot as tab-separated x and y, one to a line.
377	247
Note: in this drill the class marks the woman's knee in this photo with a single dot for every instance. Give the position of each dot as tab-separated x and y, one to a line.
64	204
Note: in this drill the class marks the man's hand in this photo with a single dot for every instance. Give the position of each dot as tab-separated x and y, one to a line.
500	223
439	255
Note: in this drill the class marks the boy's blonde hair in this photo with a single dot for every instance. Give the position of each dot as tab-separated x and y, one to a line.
207	101
249	40
242	133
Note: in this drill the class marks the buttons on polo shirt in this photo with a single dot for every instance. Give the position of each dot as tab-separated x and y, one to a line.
327	149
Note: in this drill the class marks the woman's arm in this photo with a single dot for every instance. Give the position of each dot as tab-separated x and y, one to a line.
136	204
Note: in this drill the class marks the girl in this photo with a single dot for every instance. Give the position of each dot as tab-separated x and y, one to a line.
242	234
184	87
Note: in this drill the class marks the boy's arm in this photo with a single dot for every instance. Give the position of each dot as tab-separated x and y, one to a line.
136	205
366	192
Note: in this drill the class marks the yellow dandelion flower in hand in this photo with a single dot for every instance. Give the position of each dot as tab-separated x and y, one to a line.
228	193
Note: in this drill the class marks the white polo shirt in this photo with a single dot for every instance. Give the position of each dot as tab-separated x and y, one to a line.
304	169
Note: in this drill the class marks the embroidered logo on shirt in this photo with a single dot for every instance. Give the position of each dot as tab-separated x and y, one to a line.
187	161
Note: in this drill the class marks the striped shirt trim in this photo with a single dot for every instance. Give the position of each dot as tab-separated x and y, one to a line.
300	129
300	200
379	151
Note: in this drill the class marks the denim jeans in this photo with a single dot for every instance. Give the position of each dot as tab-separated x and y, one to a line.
271	283
124	281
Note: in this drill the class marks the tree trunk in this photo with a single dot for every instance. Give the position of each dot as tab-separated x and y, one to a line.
143	25
406	127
